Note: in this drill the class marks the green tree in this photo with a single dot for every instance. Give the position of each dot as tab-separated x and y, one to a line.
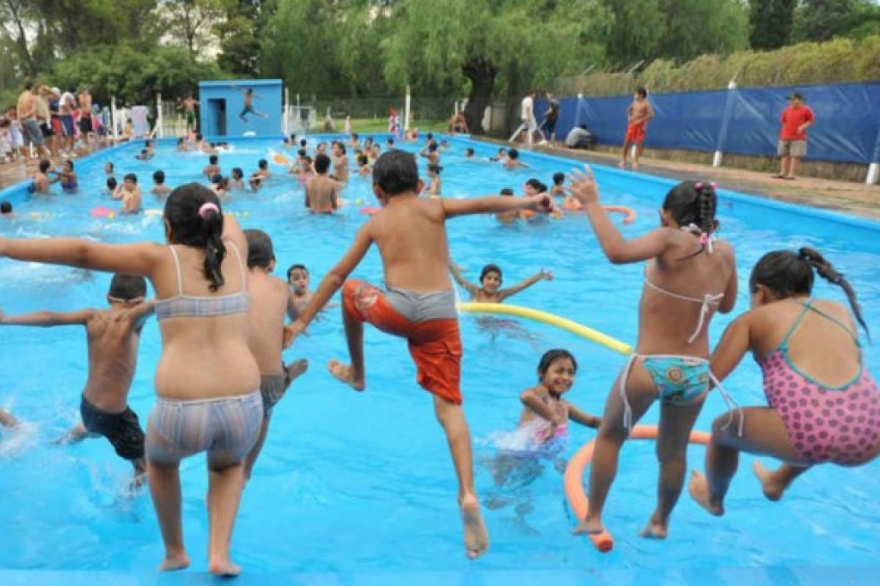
770	23
191	21
822	20
242	33
696	27
635	33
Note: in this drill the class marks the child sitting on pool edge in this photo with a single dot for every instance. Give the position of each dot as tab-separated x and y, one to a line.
490	280
113	337
419	305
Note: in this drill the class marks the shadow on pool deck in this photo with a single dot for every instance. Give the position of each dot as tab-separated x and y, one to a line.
848	197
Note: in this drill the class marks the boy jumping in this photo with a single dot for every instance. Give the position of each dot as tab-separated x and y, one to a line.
419	304
113	337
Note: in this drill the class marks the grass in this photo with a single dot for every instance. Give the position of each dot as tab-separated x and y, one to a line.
362	125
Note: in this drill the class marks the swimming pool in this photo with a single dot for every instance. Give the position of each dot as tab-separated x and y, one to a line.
361	484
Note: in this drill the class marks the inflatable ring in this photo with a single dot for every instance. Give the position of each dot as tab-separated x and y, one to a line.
103	212
629	213
574	474
547	318
369	211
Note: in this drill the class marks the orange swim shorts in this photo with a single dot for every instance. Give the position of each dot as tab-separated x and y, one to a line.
635	133
434	344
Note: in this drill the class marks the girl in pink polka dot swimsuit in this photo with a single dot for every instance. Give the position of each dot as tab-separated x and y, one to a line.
824	406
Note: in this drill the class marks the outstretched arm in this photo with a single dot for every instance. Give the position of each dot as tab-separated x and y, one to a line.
542	274
616	249
496	203
331	283
129	259
455	271
48	319
582	417
7	420
733	346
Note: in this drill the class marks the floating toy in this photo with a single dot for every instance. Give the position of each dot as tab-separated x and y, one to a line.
279	158
574	478
103	212
547	318
369	211
153	212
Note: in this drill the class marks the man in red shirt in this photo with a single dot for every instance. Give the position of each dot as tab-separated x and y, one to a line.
796	118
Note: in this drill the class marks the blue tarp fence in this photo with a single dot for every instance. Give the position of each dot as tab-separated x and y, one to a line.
740	121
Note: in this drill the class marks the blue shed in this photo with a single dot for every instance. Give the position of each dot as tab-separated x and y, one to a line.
222	111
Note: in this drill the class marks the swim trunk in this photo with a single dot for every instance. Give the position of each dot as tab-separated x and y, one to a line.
792	148
246	110
46	130
272	388
428	321
31	133
85	124
67	128
636	132
190	119
123	430
226	428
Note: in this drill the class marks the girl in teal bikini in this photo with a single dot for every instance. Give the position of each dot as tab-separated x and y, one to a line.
688	278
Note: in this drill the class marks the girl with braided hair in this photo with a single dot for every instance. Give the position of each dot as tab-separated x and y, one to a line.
689	276
824	406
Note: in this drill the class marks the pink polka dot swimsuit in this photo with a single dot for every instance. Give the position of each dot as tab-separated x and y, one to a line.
825	424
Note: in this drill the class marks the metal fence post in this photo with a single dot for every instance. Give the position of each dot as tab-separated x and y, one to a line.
725	123
874	167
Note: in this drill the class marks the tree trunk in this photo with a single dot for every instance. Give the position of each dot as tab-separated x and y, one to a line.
482	74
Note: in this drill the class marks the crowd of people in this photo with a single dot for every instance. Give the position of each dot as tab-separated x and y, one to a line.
225	320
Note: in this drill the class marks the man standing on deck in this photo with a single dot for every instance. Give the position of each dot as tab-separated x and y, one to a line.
796	118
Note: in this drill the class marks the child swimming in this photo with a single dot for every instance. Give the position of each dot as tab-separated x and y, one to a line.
543	423
824	406
688	278
490	280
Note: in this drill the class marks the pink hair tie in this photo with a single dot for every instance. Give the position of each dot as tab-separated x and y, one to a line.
206	207
698	185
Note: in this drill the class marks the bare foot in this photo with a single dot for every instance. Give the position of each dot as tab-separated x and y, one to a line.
476	538
178	561
635	166
655	529
343	373
223	567
622	164
589	526
698	487
772	488
296	368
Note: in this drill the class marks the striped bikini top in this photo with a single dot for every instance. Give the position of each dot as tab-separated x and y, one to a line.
202	305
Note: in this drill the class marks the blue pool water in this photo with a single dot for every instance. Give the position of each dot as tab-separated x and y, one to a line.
362	483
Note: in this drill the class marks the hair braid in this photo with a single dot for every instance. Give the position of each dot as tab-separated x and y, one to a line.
824	269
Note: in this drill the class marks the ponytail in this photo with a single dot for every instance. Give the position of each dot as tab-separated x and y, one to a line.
215	250
693	206
824	269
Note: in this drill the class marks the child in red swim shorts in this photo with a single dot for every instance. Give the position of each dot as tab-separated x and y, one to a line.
418	304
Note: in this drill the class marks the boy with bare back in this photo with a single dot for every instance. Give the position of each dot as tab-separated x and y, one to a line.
637	116
269	297
248	107
113	337
340	162
321	190
419	304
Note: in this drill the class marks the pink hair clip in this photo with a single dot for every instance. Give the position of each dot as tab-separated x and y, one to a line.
206	207
698	185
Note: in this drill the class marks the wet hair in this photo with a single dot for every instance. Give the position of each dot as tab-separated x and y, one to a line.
216	178
469	151
212	160
433	146
237	173
551	356
430	136
434	168
512	154
693	205
261	253
362	159
389	141
131	177
296	267
506	191
537	185
5	208
190	228
558	178
127	287
642	91
396	172
303	143
263	164
322	163
68	162
787	273
45	164
341	147
491	268
159	176
111	183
